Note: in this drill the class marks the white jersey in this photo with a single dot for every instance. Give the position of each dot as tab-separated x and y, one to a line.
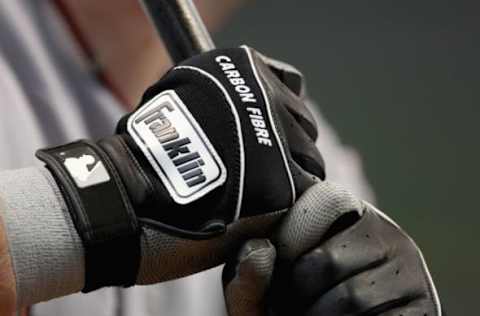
49	96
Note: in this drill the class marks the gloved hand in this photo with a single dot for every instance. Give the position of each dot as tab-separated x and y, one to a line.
335	255
247	278
217	152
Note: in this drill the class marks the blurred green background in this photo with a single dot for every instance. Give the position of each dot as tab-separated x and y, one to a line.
399	80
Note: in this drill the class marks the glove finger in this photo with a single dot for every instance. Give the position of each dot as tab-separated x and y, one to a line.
311	217
369	293
347	253
247	279
295	81
304	117
417	307
302	148
413	266
288	75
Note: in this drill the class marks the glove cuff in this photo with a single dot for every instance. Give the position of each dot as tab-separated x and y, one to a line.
101	211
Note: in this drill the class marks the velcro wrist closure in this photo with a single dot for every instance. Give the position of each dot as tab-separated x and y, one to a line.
101	211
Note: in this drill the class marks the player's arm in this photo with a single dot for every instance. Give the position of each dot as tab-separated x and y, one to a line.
216	153
7	279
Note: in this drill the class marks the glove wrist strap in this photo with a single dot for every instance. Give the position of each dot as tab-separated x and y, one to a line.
101	211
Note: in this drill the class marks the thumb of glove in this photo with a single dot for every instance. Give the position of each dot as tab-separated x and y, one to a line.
246	280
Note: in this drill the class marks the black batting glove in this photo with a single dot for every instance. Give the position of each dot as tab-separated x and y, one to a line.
362	264
219	149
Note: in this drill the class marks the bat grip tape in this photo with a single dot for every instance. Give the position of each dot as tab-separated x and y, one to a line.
102	213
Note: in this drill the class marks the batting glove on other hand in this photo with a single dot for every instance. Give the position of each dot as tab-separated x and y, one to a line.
334	255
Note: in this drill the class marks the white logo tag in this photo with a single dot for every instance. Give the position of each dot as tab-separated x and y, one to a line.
86	171
177	148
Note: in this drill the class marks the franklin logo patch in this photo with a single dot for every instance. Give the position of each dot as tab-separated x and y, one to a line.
177	148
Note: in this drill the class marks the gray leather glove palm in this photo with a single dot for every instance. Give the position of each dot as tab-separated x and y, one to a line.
335	256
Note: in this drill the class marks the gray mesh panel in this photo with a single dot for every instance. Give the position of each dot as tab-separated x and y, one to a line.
165	257
311	216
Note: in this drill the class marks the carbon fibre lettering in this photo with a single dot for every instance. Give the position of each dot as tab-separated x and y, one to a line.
247	96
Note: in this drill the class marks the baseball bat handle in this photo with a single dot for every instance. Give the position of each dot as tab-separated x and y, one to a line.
180	26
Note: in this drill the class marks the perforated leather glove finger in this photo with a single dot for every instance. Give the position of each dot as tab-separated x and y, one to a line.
341	256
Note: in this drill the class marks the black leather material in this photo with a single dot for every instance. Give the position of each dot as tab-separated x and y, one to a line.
369	268
295	81
296	120
266	186
140	186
